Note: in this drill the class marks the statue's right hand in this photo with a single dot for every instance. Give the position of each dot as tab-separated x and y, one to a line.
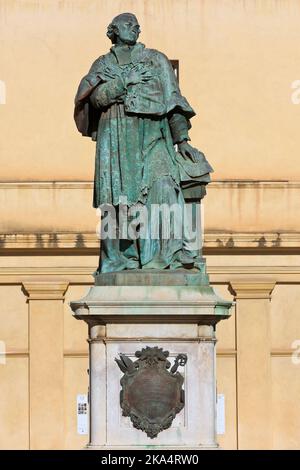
138	76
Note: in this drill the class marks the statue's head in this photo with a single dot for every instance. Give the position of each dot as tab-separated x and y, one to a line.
124	29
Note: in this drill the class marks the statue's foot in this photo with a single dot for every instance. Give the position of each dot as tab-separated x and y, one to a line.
111	266
132	264
156	263
115	265
187	260
200	264
183	258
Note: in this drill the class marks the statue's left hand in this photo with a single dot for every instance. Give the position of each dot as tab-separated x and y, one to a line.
187	151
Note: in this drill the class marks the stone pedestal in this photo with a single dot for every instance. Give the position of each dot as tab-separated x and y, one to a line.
176	313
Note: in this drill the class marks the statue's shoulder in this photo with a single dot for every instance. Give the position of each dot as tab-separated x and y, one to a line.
98	63
157	55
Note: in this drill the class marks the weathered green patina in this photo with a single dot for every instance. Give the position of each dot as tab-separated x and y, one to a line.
131	104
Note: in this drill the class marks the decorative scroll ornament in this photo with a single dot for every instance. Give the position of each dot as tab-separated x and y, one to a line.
151	395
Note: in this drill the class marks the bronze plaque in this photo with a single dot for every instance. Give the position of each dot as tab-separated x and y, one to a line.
151	395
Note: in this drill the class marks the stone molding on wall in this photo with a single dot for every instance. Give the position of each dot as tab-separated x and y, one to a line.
84	354
213	241
246	184
45	290
238	214
83	274
252	288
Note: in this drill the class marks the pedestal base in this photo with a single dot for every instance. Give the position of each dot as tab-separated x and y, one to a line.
179	319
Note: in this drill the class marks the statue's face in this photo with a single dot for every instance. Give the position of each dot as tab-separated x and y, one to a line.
128	30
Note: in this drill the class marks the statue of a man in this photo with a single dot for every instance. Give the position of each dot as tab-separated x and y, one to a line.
130	103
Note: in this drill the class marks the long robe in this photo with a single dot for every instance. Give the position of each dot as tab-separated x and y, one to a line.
132	127
135	128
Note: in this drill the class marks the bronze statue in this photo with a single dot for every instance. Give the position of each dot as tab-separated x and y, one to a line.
131	104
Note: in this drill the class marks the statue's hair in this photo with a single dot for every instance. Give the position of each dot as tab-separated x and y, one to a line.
111	29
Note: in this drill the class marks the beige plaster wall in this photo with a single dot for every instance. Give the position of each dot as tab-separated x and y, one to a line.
238	61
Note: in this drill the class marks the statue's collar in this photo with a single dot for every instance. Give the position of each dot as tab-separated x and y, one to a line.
128	54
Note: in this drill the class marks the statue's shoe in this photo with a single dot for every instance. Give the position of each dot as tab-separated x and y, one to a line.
132	264
117	264
112	266
184	257
156	263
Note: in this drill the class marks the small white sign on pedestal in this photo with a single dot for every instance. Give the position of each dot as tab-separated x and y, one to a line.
82	414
